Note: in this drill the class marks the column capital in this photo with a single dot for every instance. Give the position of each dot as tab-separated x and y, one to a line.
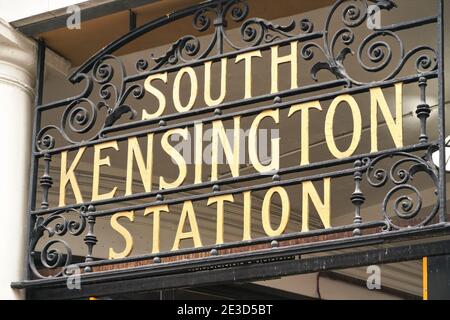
17	58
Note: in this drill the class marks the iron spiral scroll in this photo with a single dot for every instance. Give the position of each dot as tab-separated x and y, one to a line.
55	254
403	200
81	114
374	53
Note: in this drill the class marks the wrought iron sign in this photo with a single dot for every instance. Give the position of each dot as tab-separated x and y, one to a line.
314	69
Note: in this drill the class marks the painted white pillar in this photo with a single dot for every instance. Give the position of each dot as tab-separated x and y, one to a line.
17	80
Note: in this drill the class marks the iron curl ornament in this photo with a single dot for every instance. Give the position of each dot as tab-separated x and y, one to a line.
404	200
81	114
253	32
374	53
55	254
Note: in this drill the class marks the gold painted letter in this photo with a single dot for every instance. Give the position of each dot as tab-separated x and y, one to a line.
124	233
323	208
145	168
198	153
247	216
357	126
231	154
69	176
156	223
157	93
220	214
208	83
189	213
304	107
253	143
285	211
99	162
176	156
395	126
177	88
248	70
276	61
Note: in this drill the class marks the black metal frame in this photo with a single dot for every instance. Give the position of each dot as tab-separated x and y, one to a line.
187	51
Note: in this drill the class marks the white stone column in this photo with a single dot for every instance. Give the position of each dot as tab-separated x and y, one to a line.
17	80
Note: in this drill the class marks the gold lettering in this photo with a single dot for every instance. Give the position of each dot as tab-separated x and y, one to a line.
223	83
69	176
157	93
357	126
124	233
231	154
156	223
220	200
145	170
276	61
247	216
198	154
189	213
98	163
285	211
323	208
176	89
395	127
176	156
247	57
304	127
253	143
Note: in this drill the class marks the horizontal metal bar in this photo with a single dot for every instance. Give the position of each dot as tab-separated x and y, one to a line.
245	113
232	180
224	106
409	24
158	271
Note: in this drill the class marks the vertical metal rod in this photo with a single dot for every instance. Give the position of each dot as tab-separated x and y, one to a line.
133	20
90	239
442	156
423	110
219	24
358	198
39	90
46	181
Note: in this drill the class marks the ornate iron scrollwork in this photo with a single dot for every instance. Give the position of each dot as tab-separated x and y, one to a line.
52	257
409	204
374	52
254	31
80	116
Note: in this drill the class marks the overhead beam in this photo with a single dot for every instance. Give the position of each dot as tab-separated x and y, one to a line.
245	273
35	25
